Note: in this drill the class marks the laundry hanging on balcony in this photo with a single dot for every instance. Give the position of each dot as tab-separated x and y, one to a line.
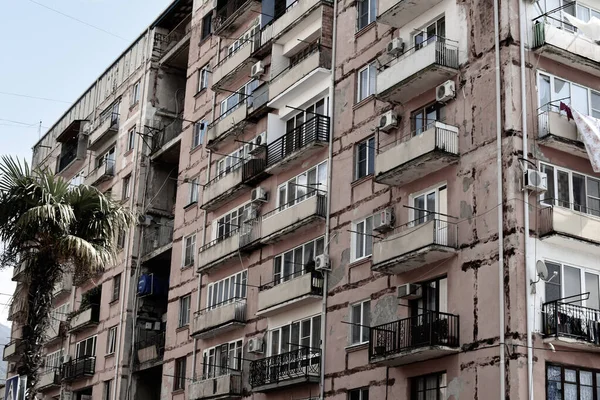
590	29
589	131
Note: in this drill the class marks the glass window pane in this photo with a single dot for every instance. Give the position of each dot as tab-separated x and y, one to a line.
562	91
563	189
356	324
368	236
360	240
591	286
579	99
578	192
366	320
544	92
572	284
371	156
585	378
595	104
316	332
550	194
553	290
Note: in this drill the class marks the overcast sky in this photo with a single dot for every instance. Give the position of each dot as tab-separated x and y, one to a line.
52	56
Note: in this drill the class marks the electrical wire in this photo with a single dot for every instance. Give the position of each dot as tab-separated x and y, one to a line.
34	97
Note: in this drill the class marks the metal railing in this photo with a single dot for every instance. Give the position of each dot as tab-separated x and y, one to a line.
225	236
250	232
302	362
224	13
315	130
564	318
166	134
156	237
539	30
240	308
316	282
445	233
432	328
148	338
79	367
163	43
321	204
446	52
446	139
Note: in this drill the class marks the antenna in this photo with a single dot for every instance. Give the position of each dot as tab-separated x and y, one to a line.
542	273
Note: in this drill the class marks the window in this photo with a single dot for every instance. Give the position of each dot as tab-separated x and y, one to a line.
206	25
111	342
365	158
189	250
428	387
424	118
229	223
569	281
121	239
131	139
359	394
126	187
428	34
86	348
572	383
293	263
135	93
202	78
107	390
239	97
180	367
572	190
300	334
362	237
428	205
58	315
198	135
222	359
193	195
116	289
246	38
227	290
108	158
367	12
78	179
361	321
233	161
302	186
553	90
367	79
184	310
558	19
54	360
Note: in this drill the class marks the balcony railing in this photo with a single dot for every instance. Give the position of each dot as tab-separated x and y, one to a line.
220	318
84	318
102	173
227	15
299	366
150	345
165	134
79	368
49	378
565	318
107	123
156	237
220	382
13	350
430	329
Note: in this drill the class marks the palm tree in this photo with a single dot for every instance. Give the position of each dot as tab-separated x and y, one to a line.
50	227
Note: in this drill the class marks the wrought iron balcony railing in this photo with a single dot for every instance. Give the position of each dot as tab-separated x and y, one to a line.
79	367
303	362
566	318
315	130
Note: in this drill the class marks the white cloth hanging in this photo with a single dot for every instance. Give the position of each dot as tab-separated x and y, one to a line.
590	29
589	130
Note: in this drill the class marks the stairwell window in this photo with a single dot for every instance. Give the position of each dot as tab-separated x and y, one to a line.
362	238
131	139
116	288
126	188
180	372
184	310
193	195
189	250
198	135
135	93
202	78
366	13
366	82
221	360
428	387
227	290
361	321
364	158
111	342
293	263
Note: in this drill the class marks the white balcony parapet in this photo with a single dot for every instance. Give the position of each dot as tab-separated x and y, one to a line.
290	217
225	385
563	221
275	297
219	318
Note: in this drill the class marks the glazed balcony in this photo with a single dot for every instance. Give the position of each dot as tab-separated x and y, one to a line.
157	240
231	14
225	384
281	371
420	155
423	337
79	368
13	351
106	129
149	348
297	145
229	186
219	318
49	379
236	64
290	291
418	70
292	217
398	13
227	124
102	173
414	245
566	220
65	285
569	324
85	318
218	251
556	131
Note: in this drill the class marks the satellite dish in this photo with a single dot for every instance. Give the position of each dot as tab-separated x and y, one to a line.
542	270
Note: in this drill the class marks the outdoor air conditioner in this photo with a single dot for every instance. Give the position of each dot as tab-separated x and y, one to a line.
322	263
395	47
258	143
445	92
249	214
388	121
409	291
535	180
259	195
257	70
255	345
383	221
144	219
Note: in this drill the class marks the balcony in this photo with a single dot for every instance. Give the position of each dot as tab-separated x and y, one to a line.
219	318
299	16
414	245
398	13
297	145
49	379
297	367
569	324
158	239
218	251
225	385
90	316
230	185
557	40
106	129
232	121
19	274
79	368
166	139
13	351
54	332
276	297
102	173
149	347
556	131
293	216
236	64
231	14
17	311
571	221
420	155
306	69
423	337
65	285
71	157
418	70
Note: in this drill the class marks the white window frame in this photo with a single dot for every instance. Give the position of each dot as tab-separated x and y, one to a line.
372	14
297	266
423	31
198	134
235	214
111	340
189	242
360	391
94	340
357	226
553	106
233	161
135	93
245	39
110	154
185	310
411	199
212	357
227	290
546	195
363	323
131	139
370	148
281	342
321	188
194	190
202	79
126	190
54	360
367	71
244	94
582	272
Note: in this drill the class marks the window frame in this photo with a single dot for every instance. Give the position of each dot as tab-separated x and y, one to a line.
289	256
111	340
368	237
126	188
213	357
371	81
192	246
441	388
308	194
423	114
560	281
116	288
223	226
53	361
106	395
364	324
135	94
289	327
198	134
179	377
424	193
216	292
361	393
109	154
563	383
202	79
371	8
579	208
184	310
94	341
590	93
205	33
194	190
369	160
131	139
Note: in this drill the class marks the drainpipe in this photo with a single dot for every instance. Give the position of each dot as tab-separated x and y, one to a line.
528	276
328	216
500	201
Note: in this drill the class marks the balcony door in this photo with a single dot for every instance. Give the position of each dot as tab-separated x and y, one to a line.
86	348
432	205
430	33
302	128
428	326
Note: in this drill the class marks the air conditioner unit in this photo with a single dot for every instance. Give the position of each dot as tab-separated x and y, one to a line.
409	291
255	345
535	180
144	219
257	70
259	195
395	47
249	214
388	121
383	221
445	92
322	263
258	143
